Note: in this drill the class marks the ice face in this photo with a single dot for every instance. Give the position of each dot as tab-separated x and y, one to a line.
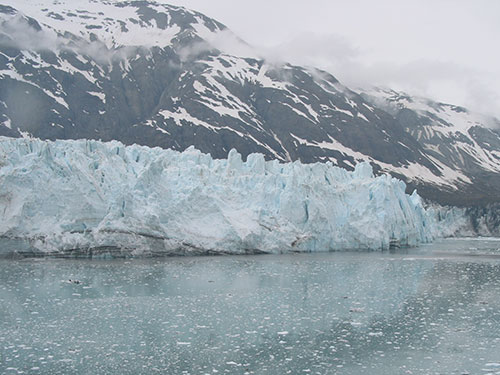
84	196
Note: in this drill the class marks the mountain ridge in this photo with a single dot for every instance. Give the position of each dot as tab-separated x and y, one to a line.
181	90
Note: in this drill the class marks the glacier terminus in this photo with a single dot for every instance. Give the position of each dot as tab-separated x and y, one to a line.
83	197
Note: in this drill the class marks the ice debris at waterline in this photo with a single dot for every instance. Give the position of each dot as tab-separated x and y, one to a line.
89	197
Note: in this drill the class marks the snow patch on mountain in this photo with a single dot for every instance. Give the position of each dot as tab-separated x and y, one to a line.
444	129
114	23
413	171
454	118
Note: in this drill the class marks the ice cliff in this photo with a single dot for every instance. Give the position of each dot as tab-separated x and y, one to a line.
88	197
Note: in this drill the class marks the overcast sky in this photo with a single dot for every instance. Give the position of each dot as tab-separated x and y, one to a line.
445	49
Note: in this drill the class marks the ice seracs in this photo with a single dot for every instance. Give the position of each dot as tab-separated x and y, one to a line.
88	197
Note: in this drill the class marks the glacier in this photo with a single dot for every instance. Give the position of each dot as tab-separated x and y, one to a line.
86	197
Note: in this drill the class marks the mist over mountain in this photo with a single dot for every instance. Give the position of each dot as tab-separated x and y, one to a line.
160	75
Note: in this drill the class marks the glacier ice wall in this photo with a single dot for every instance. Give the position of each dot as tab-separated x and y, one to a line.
85	197
450	221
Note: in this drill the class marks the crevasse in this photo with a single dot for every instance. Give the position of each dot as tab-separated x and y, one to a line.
90	197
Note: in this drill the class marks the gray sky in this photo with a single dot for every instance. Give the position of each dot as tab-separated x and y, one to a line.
444	49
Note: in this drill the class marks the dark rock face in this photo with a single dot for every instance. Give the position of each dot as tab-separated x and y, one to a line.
485	219
152	76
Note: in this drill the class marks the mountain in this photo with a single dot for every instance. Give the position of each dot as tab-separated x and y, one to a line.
460	139
159	75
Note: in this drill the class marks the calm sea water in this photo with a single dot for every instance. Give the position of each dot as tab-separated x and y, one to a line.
432	310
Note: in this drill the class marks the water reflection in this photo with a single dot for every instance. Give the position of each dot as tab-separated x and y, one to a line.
354	313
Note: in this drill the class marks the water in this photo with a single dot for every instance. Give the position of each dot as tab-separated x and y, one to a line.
433	310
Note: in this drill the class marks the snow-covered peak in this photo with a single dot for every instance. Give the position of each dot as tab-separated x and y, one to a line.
452	133
450	118
115	23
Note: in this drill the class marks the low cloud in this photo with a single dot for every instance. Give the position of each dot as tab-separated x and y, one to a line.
443	81
191	51
23	33
225	41
17	32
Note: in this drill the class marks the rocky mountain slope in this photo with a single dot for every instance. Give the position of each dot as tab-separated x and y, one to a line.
460	139
158	75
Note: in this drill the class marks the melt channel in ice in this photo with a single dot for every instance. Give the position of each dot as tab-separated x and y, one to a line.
90	197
